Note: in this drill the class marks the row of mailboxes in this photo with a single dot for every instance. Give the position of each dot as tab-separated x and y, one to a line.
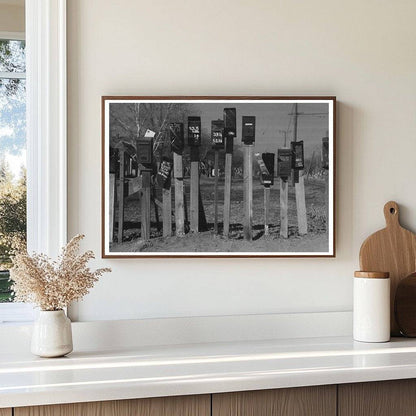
222	132
226	129
133	157
176	133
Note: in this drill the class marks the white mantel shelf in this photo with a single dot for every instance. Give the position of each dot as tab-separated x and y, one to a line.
152	371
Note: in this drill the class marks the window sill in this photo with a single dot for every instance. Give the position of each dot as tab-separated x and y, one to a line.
16	313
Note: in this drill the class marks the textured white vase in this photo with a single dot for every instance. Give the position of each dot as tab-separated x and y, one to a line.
52	334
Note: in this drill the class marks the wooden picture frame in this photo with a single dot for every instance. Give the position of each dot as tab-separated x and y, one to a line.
172	189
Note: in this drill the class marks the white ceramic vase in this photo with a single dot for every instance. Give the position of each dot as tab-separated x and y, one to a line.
52	334
371	307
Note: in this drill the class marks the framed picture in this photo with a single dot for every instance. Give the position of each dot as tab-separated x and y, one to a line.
218	176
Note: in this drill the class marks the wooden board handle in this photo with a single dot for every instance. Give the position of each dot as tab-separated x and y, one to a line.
391	214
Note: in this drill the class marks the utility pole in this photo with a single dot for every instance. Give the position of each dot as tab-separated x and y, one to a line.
284	132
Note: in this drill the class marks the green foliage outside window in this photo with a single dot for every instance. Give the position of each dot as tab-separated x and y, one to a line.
12	150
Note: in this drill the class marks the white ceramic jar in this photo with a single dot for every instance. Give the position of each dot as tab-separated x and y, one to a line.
371	305
52	334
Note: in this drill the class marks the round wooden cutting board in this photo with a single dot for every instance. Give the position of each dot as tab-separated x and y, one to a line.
393	250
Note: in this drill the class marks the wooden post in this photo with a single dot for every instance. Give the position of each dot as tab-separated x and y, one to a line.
227	193
194	197
301	205
167	212
216	154
145	205
179	197
284	198
112	185
203	226
248	192
120	197
185	207
299	186
327	196
266	209
153	197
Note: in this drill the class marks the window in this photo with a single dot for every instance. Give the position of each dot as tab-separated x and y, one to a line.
45	89
12	153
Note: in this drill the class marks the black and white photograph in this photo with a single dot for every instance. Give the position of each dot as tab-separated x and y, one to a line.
218	176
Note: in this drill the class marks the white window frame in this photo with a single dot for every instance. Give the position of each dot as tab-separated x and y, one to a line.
46	124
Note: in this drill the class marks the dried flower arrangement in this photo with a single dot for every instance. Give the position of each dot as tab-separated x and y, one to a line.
53	285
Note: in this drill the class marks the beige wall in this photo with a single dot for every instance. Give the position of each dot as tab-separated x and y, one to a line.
361	51
12	18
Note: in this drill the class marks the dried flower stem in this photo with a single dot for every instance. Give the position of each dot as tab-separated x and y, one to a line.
53	285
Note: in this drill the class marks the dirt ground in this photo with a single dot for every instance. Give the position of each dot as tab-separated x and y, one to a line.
315	241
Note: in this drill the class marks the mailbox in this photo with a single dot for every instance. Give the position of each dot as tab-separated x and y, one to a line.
230	127
130	161
144	150
194	131
217	134
268	159
130	166
298	159
163	177
325	152
284	162
176	137
249	129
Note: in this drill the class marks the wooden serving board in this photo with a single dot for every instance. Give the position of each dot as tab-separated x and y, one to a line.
405	306
393	250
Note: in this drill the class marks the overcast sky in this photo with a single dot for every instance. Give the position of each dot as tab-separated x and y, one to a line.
270	119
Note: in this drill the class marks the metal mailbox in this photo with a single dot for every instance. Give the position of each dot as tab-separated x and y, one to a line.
130	160
298	152
163	177
217	134
144	149
230	126
325	152
176	137
268	159
284	162
194	131
130	166
249	129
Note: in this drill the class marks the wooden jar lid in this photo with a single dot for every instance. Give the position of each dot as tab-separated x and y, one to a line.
372	275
